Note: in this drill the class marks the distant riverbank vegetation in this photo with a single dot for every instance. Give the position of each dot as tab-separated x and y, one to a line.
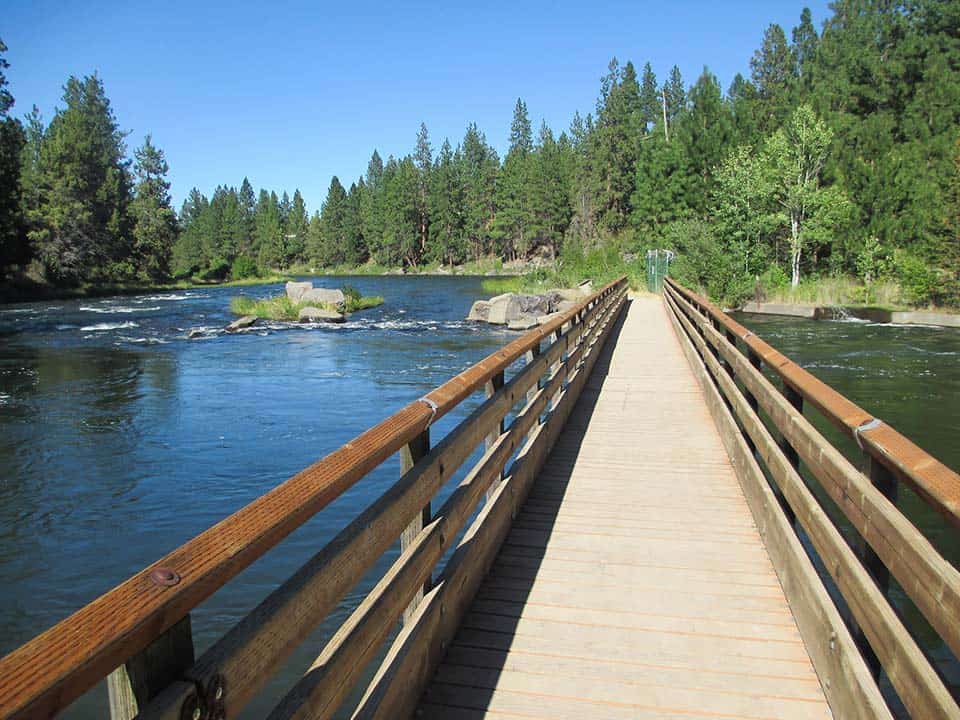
830	167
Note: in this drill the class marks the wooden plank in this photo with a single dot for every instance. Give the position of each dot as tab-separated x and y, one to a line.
418	647
930	581
410	455
846	680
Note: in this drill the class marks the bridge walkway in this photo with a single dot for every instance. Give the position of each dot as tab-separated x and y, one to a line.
634	583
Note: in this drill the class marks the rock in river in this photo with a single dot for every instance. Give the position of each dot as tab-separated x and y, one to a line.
323	296
295	290
244	322
313	314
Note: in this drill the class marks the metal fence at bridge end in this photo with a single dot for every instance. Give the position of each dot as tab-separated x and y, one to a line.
658	266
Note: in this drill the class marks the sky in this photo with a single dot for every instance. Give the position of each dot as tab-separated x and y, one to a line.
291	93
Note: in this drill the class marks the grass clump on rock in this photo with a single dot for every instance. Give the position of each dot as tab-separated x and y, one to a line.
284	308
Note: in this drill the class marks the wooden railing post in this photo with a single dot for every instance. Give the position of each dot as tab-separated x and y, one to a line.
409	455
532	354
492	385
795	399
886	483
751	400
132	685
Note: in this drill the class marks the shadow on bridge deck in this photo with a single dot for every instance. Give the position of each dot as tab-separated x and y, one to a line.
633	584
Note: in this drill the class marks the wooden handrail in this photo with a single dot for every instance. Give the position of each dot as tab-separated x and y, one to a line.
45	675
936	483
928	579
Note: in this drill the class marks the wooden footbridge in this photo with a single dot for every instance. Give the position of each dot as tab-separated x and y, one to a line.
654	529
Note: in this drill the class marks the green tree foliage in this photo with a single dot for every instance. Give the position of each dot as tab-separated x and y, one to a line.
154	221
513	223
479	166
80	228
773	73
13	247
448	243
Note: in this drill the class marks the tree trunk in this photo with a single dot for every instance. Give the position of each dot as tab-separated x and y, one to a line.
795	251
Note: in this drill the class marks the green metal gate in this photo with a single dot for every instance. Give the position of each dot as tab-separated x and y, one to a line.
658	266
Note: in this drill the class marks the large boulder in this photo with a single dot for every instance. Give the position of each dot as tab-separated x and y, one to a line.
565	305
479	311
244	322
567	294
504	308
323	296
295	290
315	314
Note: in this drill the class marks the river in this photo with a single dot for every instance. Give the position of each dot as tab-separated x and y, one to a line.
120	438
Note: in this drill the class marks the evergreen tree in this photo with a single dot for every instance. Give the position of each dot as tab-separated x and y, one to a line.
804	47
705	130
676	94
13	248
650	101
551	190
296	230
332	215
446	208
248	209
30	191
268	231
81	226
187	256
773	73
478	172
371	207
154	221
512	224
424	162
354	246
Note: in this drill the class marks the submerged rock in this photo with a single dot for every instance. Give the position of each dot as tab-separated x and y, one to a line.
315	314
244	322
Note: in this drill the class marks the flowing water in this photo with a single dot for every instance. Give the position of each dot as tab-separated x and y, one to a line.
120	438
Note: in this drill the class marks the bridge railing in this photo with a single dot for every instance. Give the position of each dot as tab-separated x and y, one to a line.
850	643
139	633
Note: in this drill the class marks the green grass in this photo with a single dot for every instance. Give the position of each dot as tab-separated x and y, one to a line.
841	291
283	308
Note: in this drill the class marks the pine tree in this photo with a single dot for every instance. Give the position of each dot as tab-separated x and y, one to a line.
804	47
424	163
332	214
650	101
268	231
773	73
676	94
371	207
706	131
154	221
478	172
512	224
354	247
296	230
81	226
521	134
187	257
13	248
248	209
446	208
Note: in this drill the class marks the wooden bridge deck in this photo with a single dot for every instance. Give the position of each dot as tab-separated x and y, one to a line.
634	583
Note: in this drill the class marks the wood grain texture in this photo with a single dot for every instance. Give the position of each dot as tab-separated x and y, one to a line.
604	601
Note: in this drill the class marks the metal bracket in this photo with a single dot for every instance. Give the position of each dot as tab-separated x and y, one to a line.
433	409
871	424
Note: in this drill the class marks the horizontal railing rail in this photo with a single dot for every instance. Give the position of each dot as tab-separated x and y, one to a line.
936	483
847	656
139	633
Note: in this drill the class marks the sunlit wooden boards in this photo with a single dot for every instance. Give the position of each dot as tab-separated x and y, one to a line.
634	583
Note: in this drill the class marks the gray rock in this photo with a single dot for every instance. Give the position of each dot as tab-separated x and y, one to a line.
295	290
194	333
565	305
479	311
504	308
586	287
323	296
244	322
567	294
314	314
524	323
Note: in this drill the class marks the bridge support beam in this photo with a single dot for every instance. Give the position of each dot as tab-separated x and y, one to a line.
418	448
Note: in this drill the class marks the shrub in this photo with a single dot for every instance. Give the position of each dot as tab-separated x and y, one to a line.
244	267
917	279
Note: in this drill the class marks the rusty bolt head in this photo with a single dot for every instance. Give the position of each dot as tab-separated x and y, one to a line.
216	689
164	577
190	710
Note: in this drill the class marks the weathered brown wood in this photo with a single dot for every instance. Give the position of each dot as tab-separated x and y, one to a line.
843	674
532	355
248	655
410	455
417	649
494	384
930	581
144	676
916	682
330	678
45	675
931	479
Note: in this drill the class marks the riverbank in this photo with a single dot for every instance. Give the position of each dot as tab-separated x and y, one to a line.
25	290
938	318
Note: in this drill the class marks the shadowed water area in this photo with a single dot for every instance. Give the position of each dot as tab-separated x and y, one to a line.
120	438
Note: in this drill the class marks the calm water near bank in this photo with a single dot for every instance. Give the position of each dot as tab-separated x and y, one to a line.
120	439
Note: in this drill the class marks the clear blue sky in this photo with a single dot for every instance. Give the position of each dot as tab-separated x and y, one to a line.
290	94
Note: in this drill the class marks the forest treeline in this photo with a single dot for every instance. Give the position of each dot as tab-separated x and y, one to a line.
836	154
